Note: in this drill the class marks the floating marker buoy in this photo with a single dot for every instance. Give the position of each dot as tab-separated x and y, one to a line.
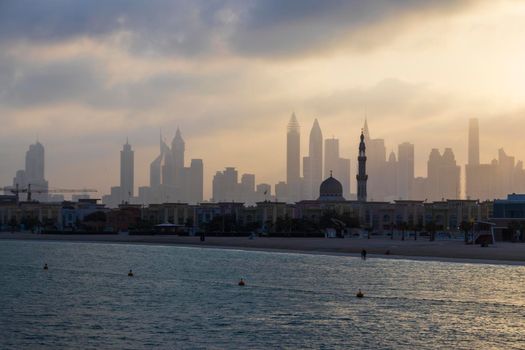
241	282
359	294
130	273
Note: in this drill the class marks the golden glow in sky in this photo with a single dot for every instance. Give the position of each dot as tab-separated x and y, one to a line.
231	74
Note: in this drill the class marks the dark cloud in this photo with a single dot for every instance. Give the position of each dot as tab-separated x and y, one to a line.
191	27
280	28
28	85
160	26
86	81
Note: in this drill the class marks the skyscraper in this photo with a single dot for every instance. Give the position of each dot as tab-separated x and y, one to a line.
361	176
35	164
195	181
473	142
155	169
391	181
337	166
178	148
293	159
478	177
33	174
405	173
331	157
170	180
443	180
126	172
313	164
376	165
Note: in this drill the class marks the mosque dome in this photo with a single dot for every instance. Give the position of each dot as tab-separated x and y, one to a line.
331	190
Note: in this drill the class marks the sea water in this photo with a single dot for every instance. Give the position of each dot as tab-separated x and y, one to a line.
188	298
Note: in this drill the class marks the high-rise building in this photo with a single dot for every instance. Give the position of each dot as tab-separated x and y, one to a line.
281	191
34	172
195	181
293	159
35	164
344	176
361	176
226	187
443	178
336	166
155	169
170	180
126	173
391	181
376	165
331	157
313	164
473	142
405	170
178	147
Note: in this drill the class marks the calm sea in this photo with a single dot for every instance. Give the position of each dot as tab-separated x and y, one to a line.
188	298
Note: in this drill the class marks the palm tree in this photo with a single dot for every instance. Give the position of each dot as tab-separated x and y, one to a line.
404	226
430	226
466	226
513	227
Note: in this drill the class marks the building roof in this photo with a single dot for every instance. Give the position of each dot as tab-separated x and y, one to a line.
331	190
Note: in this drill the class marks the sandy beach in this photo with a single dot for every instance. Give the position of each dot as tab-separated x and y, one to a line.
421	249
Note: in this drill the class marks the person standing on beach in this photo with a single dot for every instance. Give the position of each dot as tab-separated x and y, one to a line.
363	254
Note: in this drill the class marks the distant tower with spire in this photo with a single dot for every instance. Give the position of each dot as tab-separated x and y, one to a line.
126	172
313	163
178	147
293	159
361	176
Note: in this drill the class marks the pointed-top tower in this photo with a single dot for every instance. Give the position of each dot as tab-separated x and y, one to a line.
362	177
126	172
365	131
155	169
293	124
293	159
178	147
313	163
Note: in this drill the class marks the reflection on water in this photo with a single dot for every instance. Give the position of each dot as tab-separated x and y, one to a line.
189	298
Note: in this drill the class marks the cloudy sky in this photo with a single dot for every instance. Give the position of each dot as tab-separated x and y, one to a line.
84	75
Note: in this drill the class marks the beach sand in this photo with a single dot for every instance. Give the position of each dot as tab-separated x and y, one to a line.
422	249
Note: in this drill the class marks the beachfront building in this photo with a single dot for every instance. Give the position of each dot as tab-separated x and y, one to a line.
509	217
29	216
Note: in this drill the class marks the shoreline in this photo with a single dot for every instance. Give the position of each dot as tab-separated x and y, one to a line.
422	250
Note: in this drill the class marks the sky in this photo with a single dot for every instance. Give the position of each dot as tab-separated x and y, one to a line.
82	76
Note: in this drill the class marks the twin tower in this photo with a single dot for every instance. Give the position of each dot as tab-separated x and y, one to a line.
307	187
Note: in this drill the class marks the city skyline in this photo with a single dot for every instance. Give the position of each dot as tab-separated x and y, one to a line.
171	180
414	70
259	174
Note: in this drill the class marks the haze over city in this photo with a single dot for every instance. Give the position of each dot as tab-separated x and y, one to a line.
262	174
82	77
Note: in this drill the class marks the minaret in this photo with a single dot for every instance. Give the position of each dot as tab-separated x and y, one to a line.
361	174
293	159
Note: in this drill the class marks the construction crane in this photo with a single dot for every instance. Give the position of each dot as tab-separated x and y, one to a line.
17	190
